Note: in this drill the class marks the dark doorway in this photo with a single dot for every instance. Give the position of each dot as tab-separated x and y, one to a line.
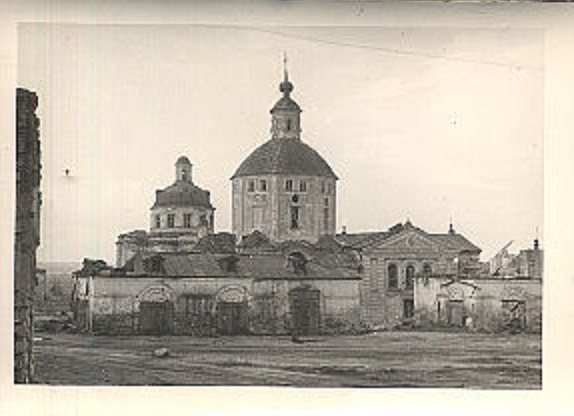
514	314
156	318
232	318
455	313
408	308
305	310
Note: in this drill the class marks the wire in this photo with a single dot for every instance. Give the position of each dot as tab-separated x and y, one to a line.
383	48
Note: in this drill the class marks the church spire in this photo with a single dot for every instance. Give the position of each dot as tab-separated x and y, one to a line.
285	114
285	73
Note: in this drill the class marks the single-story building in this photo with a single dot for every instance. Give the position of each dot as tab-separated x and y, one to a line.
280	291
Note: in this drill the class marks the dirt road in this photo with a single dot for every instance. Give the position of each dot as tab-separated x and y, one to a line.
389	359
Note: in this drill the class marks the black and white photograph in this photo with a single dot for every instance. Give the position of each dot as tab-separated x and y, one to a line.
288	205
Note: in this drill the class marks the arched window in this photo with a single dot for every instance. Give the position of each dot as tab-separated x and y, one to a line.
427	270
410	277
298	262
288	124
393	276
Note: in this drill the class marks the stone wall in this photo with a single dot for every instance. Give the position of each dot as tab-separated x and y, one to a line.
112	304
480	304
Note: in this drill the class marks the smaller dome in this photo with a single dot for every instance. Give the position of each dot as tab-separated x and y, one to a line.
182	194
183	160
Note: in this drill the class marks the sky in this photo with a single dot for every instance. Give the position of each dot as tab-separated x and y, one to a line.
425	124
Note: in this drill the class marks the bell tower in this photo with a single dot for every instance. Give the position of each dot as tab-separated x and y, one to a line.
183	169
286	113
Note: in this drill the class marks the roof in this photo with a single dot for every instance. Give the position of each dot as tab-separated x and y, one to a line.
182	193
222	243
285	156
286	103
359	240
454	241
183	160
451	240
258	266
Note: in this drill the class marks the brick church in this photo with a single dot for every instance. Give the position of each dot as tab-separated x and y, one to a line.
283	268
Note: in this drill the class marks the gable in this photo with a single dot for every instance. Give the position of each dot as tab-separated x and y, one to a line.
406	242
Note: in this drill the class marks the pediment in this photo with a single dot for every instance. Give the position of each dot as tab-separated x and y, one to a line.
409	240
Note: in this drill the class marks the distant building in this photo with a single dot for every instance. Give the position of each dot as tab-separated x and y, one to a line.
284	188
27	233
181	215
528	263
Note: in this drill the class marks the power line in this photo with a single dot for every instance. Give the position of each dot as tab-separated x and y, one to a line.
384	49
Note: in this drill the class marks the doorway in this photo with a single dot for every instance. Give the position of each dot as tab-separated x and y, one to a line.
156	318
408	308
305	309
232	318
455	313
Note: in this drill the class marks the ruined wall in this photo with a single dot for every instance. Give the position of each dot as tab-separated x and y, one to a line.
480	304
27	232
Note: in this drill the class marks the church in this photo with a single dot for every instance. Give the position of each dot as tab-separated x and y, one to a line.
283	269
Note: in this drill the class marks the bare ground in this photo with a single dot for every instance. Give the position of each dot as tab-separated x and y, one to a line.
389	359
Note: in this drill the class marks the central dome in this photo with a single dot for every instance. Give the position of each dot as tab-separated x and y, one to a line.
285	156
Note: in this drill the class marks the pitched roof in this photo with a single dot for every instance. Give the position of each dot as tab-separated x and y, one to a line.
359	240
455	241
285	156
258	266
451	240
221	243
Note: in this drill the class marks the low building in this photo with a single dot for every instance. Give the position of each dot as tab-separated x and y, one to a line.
276	290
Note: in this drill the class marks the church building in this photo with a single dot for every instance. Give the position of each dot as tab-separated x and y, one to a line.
284	269
181	215
284	188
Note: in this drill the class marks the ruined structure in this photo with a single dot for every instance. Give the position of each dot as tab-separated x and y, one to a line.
27	233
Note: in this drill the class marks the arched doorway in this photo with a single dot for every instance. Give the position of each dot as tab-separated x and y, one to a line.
231	310
156	310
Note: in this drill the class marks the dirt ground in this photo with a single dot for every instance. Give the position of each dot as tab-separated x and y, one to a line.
388	359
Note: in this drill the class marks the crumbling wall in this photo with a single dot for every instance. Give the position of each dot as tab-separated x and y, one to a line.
27	232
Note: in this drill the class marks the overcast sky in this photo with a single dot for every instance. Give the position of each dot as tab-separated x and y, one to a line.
424	124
